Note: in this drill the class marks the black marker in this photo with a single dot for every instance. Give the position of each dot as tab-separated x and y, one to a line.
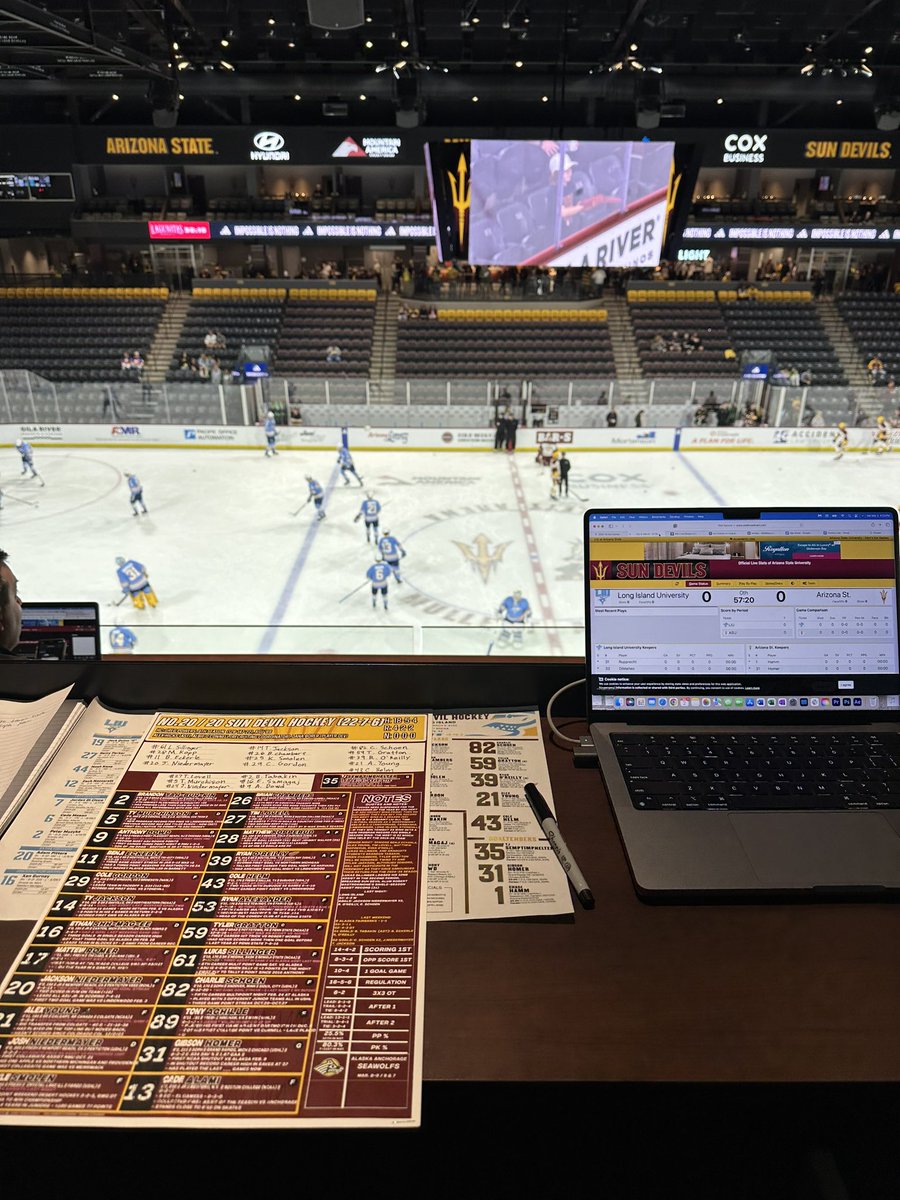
547	822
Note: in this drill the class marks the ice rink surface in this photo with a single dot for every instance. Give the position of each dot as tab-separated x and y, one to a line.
236	573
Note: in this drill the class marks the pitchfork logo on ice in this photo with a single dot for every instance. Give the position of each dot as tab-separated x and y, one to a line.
481	557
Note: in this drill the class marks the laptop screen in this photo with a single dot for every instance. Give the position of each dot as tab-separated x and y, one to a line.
59	632
738	609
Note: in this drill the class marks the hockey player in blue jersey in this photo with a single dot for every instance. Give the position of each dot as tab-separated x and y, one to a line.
391	551
515	611
379	573
317	495
345	462
27	455
370	508
122	640
134	582
271	434
136	490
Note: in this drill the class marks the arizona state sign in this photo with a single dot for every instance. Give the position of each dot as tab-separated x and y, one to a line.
193	147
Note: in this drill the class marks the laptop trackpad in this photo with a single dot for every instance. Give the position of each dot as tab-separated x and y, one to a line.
803	849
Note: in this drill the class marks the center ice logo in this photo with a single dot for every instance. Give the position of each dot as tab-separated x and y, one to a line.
479	555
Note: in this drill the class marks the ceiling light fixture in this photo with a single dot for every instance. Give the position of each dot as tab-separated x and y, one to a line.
719	100
115	96
183	64
362	95
469	14
226	66
297	96
474	99
223	42
518	63
404	44
544	99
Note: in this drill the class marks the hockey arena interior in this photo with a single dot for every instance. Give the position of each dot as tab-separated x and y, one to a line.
323	324
319	337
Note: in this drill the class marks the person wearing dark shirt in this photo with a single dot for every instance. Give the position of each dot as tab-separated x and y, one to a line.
564	466
512	424
611	418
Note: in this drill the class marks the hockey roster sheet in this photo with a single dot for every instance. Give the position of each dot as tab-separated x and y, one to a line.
239	935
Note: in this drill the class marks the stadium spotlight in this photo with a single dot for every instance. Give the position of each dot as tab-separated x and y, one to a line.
468	16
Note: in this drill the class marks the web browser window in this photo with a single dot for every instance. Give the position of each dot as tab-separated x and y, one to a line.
710	610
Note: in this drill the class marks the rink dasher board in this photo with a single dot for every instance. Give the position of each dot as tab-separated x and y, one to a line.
328	438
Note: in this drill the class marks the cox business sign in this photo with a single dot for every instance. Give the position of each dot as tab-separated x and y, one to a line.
268	146
745	148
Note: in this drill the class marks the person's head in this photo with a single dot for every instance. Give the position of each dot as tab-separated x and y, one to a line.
517	596
10	606
842	425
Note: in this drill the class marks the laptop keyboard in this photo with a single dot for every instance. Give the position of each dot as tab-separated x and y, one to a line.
760	771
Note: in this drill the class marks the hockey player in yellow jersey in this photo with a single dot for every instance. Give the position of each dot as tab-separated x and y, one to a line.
840	440
881	438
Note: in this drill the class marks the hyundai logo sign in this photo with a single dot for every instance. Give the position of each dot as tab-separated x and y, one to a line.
269	147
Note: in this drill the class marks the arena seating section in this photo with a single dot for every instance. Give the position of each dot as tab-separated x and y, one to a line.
249	316
76	334
313	320
506	342
784	322
297	324
690	312
874	323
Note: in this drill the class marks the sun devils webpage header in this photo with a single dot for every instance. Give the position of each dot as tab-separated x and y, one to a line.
787	603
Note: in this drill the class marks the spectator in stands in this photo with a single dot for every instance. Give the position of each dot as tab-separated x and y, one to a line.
10	608
137	364
729	354
215	372
806	377
875	367
210	340
333	353
602	398
598	279
817	421
432	313
657	343
639	418
793	377
204	365
403	314
184	364
612	419
125	365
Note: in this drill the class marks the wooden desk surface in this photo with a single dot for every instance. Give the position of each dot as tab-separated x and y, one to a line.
634	992
637	992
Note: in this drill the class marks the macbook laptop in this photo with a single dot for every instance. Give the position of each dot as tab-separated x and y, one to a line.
743	691
60	631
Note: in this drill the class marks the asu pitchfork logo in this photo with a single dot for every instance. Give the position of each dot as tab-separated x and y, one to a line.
481	557
461	191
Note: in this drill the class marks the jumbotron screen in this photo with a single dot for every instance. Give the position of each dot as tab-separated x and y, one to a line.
568	203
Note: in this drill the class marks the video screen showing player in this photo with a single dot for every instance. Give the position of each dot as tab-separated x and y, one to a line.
568	203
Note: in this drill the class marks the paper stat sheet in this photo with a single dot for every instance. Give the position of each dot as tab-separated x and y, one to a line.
487	855
231	924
